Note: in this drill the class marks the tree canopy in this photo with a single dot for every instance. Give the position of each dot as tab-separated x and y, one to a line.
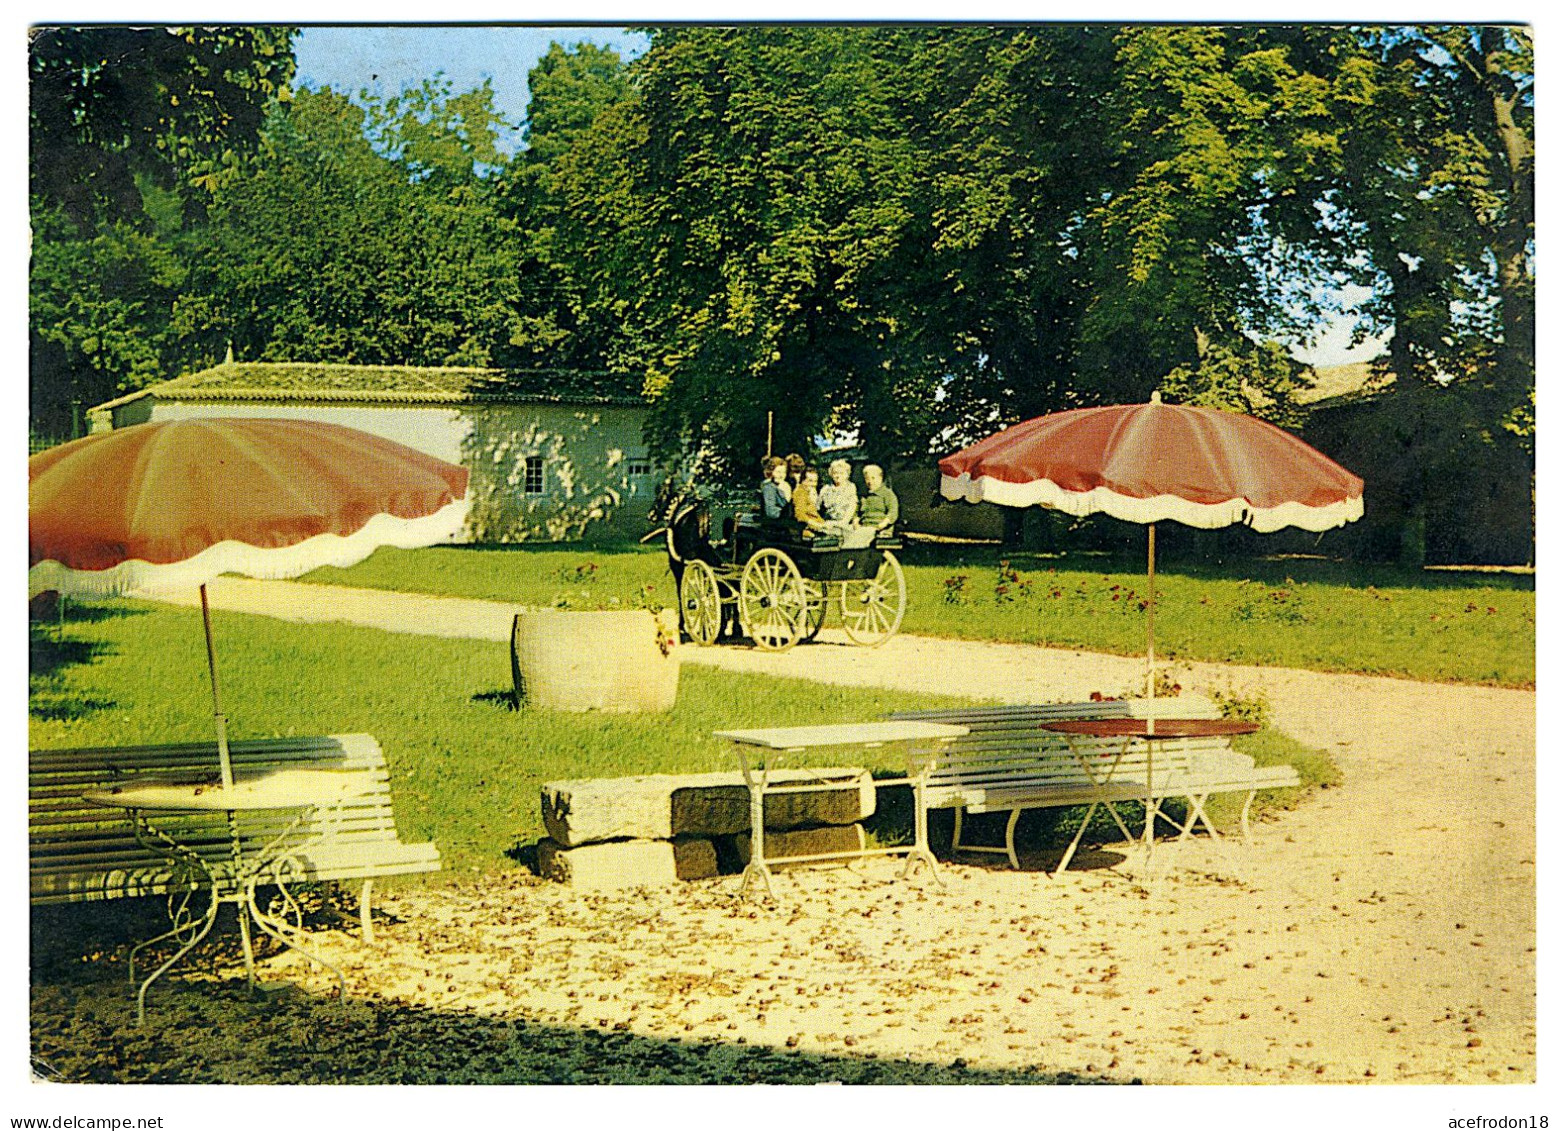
913	233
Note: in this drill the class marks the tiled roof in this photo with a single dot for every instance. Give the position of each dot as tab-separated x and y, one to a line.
392	384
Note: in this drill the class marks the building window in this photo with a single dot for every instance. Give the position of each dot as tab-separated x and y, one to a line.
638	465
535	480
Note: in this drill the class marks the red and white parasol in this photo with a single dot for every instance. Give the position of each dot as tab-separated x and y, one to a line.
1150	462
171	505
174	504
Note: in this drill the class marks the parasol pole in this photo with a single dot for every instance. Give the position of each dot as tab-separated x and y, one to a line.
1152	608
216	697
768	445
226	761
1155	399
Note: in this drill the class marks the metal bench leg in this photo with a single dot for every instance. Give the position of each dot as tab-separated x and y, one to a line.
1198	812
1245	833
1194	813
365	912
1003	849
1012	827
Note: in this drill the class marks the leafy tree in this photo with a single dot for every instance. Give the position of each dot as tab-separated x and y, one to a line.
746	215
328	249
441	138
1258	379
1434	185
569	88
568	320
1203	222
1437	179
131	129
100	316
174	105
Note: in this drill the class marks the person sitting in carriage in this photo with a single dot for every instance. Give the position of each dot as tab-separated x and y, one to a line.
838	500
803	505
879	508
776	489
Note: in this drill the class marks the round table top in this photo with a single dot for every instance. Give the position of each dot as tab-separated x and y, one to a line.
285	789
1162	728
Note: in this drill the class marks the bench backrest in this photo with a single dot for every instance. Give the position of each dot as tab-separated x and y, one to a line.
1007	748
78	848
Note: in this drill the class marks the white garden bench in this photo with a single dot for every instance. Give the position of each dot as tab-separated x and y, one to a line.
82	851
1009	763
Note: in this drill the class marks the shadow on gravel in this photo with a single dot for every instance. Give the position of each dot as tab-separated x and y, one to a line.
201	1029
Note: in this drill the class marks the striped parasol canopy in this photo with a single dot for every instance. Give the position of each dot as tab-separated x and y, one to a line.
1149	462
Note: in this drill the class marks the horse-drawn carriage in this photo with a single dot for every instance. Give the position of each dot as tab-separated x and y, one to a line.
768	583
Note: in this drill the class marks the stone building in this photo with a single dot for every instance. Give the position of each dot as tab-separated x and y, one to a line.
554	455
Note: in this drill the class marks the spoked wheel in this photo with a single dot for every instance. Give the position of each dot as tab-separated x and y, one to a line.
871	610
772	600
817	608
699	600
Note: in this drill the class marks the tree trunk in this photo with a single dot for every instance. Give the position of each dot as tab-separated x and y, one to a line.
1510	228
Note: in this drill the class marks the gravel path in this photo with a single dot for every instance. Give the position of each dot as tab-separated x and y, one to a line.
1384	931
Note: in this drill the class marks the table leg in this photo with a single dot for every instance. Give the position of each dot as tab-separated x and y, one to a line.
205	929
756	864
922	848
270	926
234	881
1109	806
236	835
189	870
182	925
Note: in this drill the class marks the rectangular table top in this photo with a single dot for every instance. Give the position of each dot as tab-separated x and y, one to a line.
285	789
844	734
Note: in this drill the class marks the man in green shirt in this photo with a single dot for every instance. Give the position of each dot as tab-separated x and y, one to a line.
879	505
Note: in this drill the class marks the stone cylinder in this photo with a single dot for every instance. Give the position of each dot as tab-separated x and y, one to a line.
586	660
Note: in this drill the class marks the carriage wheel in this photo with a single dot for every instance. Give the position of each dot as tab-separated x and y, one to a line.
772	600
817	608
871	610
699	599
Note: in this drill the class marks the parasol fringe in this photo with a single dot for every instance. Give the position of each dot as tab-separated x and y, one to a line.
270	563
1159	508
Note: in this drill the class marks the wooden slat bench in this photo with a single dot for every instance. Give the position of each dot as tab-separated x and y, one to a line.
1009	763
80	851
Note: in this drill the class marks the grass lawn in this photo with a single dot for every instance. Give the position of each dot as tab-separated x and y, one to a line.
1304	613
465	766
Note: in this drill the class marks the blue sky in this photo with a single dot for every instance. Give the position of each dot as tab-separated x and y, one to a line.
385	60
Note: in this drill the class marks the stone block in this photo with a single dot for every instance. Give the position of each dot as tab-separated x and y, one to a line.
662	806
618	864
803	842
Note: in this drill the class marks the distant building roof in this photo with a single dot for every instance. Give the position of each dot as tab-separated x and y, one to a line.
1354	379
273	381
